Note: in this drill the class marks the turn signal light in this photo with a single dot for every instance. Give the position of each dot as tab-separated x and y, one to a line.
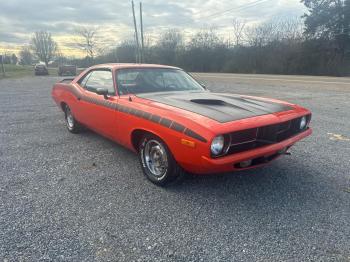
188	143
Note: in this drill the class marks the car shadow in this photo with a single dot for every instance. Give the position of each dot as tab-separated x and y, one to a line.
286	194
283	184
279	183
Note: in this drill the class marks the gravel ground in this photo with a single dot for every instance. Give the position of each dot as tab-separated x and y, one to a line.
68	197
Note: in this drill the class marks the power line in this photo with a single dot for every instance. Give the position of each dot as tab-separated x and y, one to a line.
200	12
237	8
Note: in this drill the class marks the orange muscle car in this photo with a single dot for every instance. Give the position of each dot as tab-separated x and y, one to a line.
175	124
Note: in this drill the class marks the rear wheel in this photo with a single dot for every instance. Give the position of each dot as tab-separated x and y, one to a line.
72	124
157	162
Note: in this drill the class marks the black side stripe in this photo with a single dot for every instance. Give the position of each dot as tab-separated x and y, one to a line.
155	119
191	133
146	115
166	122
138	113
177	127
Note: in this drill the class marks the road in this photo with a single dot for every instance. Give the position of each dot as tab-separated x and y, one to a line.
68	197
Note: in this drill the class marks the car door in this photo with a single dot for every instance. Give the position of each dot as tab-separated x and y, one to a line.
98	112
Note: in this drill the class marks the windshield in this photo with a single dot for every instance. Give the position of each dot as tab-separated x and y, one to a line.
147	80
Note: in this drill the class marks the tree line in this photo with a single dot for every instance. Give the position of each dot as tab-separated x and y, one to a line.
316	44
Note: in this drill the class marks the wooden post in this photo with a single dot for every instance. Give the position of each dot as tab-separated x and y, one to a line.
2	65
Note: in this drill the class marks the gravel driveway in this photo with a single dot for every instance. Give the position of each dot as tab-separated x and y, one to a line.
68	197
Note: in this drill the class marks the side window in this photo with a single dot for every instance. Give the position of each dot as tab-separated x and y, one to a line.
83	81
99	79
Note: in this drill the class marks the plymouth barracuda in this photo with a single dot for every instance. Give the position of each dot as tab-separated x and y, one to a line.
175	124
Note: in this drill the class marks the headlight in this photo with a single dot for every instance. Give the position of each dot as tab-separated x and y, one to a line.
217	145
303	123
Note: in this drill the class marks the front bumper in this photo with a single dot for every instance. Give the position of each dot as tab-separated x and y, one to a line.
229	163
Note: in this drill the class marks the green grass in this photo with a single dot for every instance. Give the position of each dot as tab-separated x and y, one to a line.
18	71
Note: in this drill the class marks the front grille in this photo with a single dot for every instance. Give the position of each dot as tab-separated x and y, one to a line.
262	136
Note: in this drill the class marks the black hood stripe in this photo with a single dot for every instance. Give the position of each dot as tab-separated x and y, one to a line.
222	108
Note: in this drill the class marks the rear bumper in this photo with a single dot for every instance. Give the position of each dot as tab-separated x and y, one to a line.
68	73
229	163
41	72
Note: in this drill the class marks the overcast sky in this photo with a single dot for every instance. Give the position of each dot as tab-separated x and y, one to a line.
20	18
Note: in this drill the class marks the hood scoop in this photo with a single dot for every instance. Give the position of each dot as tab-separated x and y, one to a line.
213	102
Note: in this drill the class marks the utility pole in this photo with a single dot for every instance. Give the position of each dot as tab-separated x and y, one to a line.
142	43
136	34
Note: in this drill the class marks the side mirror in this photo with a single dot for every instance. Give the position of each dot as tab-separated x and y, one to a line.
103	92
204	86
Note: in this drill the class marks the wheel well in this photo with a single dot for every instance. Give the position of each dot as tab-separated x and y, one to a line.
136	136
63	106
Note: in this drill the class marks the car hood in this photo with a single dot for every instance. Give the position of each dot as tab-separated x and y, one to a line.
217	106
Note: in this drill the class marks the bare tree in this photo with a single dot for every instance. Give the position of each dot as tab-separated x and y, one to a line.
14	59
44	46
263	34
287	29
26	56
87	40
238	30
125	51
168	45
290	29
206	39
170	39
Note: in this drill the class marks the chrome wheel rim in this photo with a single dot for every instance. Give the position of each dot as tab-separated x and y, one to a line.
70	118
155	158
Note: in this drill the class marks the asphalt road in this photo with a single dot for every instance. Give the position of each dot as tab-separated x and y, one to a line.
68	197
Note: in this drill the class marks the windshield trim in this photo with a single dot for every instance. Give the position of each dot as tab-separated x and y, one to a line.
170	92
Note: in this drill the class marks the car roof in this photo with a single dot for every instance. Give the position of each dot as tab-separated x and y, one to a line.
131	65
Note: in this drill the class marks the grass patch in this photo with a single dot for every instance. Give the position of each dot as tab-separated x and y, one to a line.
17	71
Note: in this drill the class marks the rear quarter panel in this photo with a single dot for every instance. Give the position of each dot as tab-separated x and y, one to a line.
61	94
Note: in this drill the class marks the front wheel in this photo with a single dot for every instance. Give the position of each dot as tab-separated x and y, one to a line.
157	162
72	124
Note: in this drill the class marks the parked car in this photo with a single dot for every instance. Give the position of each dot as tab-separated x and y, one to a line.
177	125
40	69
70	70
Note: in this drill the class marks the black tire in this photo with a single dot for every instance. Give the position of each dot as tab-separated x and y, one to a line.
72	124
173	173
